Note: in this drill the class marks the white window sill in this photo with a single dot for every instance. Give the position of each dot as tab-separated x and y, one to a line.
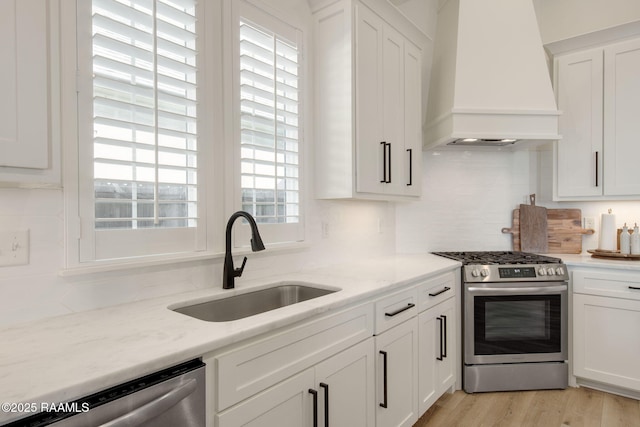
151	261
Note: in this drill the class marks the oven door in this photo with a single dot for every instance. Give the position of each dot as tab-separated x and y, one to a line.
515	322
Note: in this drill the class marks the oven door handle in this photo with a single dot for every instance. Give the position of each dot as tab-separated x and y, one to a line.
536	290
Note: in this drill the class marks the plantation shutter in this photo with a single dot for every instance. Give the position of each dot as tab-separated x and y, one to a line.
144	114
269	124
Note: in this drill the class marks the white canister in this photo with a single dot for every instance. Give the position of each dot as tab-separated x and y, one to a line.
635	241
625	240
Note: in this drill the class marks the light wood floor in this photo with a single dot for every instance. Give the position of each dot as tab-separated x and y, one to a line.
549	408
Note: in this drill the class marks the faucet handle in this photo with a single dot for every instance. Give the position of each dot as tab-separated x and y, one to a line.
238	271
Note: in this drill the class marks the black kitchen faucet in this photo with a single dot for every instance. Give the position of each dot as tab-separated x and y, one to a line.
230	273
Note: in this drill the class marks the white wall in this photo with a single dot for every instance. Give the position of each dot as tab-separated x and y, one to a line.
468	197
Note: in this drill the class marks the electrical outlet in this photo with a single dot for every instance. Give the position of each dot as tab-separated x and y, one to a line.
325	229
589	223
14	247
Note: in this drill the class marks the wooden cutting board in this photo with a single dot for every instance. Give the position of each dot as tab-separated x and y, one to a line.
533	227
564	231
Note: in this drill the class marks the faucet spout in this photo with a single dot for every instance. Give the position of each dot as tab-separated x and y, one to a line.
230	273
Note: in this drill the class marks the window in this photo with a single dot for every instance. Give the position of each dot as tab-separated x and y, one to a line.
269	81
181	120
143	128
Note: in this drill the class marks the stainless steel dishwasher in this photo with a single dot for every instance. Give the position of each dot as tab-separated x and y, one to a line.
172	397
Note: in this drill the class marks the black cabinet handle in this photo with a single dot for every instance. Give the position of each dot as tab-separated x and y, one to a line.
446	288
386	162
596	168
389	160
325	386
444	335
635	288
400	310
410	151
384	378
315	406
441	357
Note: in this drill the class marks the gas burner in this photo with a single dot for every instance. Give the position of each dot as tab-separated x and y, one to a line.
498	257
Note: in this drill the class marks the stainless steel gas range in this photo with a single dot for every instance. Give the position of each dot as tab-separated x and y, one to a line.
514	317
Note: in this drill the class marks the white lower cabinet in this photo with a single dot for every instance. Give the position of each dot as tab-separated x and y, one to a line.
436	352
287	404
606	315
340	388
397	375
381	363
346	387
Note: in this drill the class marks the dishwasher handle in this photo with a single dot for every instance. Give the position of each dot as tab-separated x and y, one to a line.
154	408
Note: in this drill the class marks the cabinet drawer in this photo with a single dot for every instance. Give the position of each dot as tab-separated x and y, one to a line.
436	290
395	309
251	368
608	283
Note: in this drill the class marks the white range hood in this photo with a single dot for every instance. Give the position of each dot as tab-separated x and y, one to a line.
490	84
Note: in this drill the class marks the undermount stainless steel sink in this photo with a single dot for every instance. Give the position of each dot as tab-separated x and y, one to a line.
251	303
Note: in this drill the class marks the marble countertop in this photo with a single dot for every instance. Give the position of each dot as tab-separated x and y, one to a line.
586	260
63	358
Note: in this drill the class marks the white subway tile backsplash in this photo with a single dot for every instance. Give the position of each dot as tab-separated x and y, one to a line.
468	197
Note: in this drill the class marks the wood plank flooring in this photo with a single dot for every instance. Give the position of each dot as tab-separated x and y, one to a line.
575	407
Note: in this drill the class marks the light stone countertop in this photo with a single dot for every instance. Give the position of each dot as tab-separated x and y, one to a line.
66	357
586	260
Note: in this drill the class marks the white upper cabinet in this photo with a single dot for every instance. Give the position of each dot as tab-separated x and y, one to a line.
25	125
579	80
368	104
598	92
23	83
621	119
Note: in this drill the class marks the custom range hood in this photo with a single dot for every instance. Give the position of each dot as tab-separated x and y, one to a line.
490	85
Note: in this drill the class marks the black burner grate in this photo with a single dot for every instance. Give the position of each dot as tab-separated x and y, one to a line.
498	257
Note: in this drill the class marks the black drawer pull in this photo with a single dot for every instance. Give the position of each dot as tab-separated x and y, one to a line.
635	288
446	288
400	310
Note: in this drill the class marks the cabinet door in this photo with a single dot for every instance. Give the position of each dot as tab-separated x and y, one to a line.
436	357
621	124
371	151
393	108
412	120
579	85
445	365
287	404
345	383
24	124
397	375
606	343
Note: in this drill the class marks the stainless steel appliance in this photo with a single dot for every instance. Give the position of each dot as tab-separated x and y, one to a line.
169	398
514	317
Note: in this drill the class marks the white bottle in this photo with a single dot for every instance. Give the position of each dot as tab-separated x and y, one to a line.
635	241
625	240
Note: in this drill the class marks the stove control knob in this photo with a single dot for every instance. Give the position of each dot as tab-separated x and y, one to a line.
484	272
542	271
560	271
475	272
